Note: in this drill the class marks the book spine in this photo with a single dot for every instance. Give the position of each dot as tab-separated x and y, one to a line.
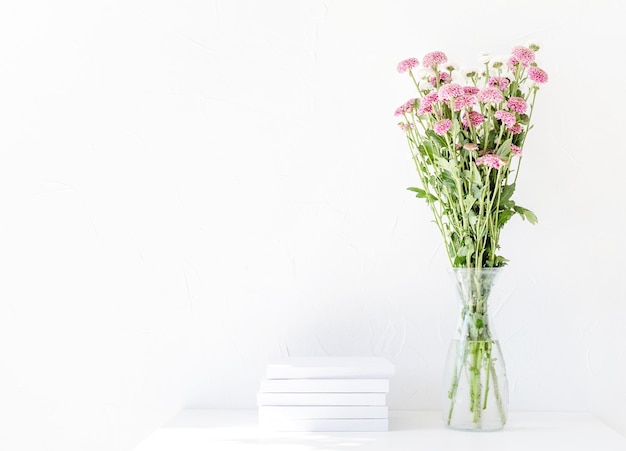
283	372
322	412
321	399
324	386
326	425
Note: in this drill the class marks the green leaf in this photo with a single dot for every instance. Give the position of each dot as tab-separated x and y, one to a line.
526	214
473	218
426	148
469	246
505	148
469	201
422	194
504	216
448	179
434	137
450	166
459	261
476	190
419	192
507	192
500	261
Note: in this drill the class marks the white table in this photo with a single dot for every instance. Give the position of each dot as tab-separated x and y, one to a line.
226	430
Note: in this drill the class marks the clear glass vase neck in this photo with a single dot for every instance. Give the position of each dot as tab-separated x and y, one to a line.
473	288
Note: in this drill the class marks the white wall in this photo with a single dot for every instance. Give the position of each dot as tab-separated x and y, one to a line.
190	187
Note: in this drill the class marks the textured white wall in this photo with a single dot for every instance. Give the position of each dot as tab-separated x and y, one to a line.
190	187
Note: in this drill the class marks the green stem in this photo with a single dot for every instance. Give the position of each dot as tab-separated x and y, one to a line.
414	80
458	369
521	144
475	384
488	345
499	401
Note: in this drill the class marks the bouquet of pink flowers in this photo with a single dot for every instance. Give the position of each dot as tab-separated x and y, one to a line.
466	132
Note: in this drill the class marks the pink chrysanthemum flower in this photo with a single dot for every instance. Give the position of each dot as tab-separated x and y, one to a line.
516	149
427	103
515	129
523	55
407	64
443	126
433	58
463	101
470	146
499	82
506	117
517	104
405	108
405	126
537	75
444	77
431	97
472	118
512	63
490	160
470	90
450	91
424	109
489	94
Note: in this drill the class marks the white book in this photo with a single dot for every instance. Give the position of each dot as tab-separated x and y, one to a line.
325	412
326	425
321	399
324	386
330	367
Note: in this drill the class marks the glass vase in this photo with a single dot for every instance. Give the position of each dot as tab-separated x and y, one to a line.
475	382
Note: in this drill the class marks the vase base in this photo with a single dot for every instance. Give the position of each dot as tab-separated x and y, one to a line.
474	428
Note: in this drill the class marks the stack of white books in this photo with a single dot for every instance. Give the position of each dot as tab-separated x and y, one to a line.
325	394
